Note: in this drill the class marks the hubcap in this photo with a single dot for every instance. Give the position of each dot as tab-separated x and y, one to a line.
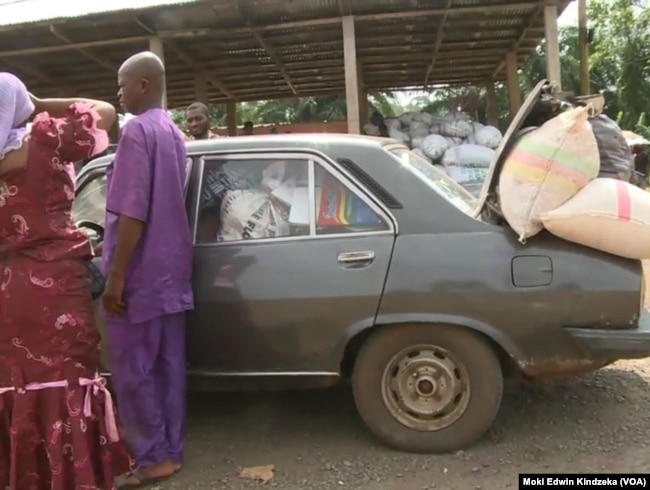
425	388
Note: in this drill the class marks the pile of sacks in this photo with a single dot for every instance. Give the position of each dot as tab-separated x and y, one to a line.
464	149
550	180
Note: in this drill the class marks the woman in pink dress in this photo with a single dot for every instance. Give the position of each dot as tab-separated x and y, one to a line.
57	424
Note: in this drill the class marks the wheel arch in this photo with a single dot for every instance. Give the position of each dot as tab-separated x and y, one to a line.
508	353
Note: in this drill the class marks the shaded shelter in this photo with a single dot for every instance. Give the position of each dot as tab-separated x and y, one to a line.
241	50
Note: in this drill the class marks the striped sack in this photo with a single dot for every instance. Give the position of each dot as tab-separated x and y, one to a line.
546	168
608	215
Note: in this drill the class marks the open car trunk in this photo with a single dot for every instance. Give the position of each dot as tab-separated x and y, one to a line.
543	103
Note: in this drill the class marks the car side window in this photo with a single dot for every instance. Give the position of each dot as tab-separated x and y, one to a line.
264	198
90	202
244	199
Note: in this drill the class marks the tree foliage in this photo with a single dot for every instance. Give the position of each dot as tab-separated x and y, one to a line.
619	69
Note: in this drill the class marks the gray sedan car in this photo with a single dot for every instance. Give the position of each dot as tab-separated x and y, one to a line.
374	266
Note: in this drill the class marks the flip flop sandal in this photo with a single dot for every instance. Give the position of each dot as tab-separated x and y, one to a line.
143	479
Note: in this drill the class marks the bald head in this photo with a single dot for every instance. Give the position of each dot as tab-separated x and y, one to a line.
142	81
145	64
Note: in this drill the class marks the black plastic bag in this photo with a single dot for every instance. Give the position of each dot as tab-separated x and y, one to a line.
616	160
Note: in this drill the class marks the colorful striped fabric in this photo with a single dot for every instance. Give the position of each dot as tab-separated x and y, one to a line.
547	167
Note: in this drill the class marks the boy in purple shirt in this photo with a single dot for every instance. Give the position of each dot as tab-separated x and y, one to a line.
147	255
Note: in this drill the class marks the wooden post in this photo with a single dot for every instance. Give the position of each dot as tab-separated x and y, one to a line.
492	110
231	117
585	85
553	72
157	47
514	92
201	89
351	78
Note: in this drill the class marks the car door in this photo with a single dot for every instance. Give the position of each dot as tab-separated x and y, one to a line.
90	206
278	277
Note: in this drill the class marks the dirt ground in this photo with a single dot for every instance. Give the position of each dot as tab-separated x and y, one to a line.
596	423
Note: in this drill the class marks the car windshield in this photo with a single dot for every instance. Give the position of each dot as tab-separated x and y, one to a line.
436	179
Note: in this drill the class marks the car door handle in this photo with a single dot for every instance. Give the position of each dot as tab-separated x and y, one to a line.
356	258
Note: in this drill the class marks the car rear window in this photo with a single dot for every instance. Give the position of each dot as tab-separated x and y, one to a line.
438	180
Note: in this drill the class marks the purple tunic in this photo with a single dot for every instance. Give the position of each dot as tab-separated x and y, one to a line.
147	343
146	182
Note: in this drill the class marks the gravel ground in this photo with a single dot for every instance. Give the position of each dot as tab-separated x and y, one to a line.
596	423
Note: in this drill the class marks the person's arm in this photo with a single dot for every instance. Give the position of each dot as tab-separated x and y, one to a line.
58	108
129	232
129	196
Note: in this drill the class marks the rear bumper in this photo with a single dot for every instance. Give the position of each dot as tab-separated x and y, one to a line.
615	344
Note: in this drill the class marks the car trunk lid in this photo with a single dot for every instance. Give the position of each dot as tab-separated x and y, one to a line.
489	189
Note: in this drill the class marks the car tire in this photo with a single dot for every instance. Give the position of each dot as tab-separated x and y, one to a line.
427	388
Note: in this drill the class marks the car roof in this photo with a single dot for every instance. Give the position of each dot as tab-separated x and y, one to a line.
287	141
260	142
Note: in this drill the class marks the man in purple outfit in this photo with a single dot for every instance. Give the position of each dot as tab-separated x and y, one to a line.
148	261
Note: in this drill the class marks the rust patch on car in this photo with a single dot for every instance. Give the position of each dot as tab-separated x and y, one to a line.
557	368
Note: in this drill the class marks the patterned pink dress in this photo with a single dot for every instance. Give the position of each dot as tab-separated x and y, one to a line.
56	430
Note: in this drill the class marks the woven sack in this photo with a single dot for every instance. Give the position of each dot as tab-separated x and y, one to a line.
609	215
547	167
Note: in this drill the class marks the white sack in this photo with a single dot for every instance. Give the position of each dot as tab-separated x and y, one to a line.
457	129
370	129
453	141
406	118
273	176
423	117
468	156
250	214
476	126
418	129
488	136
434	146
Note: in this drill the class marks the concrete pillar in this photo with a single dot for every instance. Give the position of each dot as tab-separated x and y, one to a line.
585	85
492	109
231	117
157	47
552	45
514	92
201	89
351	74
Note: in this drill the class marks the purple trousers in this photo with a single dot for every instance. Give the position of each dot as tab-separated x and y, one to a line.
148	374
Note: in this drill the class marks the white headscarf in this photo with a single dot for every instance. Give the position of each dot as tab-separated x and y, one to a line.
15	109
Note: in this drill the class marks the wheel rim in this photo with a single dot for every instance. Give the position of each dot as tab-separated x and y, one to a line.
425	388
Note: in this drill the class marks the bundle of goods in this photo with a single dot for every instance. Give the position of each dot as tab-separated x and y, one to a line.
545	168
555	178
250	213
607	214
464	149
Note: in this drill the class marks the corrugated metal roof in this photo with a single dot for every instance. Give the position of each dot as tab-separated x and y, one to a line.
249	48
29	11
